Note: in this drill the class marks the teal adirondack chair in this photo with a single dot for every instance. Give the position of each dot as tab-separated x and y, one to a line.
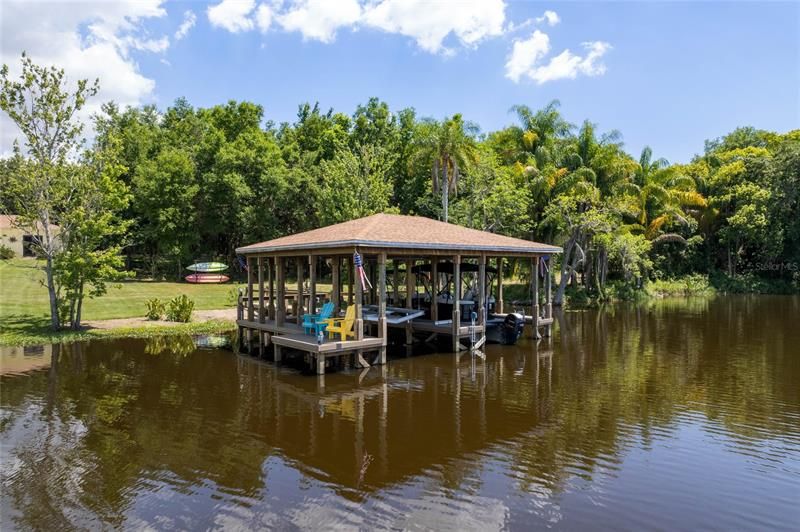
316	323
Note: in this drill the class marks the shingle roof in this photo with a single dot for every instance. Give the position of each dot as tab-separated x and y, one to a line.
400	232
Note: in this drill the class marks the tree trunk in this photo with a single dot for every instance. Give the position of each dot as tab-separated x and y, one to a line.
562	282
51	290
76	323
445	193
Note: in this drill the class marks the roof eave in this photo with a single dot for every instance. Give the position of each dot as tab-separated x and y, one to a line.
246	250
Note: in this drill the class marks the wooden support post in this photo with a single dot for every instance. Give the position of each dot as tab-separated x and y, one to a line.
350	271
240	316
297	305
320	364
261	312
271	304
250	298
410	286
548	309
435	289
395	278
359	298
371	276
456	301
535	297
498	304
278	353
382	332
336	278
280	273
312	284
482	289
260	343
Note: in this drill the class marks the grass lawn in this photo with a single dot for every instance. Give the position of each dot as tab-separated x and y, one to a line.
25	314
22	294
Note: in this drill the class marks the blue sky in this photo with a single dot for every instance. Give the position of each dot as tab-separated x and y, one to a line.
668	75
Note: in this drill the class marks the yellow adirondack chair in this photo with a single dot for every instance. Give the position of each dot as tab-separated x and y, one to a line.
343	326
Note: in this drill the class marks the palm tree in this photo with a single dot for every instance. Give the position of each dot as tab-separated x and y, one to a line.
451	147
661	196
541	129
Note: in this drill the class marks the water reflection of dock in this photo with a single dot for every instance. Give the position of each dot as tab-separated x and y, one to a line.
383	424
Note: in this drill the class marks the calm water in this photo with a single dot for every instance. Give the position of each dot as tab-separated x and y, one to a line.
672	415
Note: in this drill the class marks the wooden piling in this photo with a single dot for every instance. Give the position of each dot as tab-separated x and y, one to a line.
410	287
312	284
280	273
382	332
261	309
456	302
271	275
498	304
250	297
548	309
535	296
336	278
482	289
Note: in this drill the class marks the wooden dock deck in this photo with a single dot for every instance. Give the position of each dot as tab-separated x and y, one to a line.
328	348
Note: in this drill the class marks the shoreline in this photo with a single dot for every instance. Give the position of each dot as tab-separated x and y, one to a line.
203	322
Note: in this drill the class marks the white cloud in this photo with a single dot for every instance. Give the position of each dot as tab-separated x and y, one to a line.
88	40
319	19
567	65
232	15
264	17
430	23
527	56
189	20
147	45
551	17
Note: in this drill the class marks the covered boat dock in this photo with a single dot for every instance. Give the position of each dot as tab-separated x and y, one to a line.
397	254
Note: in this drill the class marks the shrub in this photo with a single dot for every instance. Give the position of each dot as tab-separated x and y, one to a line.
155	309
6	252
689	285
180	308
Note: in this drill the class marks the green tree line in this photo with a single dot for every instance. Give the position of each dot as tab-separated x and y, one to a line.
199	182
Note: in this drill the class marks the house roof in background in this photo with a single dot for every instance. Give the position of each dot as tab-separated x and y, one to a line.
8	221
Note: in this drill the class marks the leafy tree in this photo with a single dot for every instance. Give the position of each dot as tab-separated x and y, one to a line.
46	111
494	197
355	184
91	254
449	146
164	202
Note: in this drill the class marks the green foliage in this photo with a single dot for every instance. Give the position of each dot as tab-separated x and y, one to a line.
750	283
55	184
164	204
181	184
690	285
355	184
155	309
180	309
6	252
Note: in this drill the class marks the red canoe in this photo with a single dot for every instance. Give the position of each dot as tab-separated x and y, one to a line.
200	278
